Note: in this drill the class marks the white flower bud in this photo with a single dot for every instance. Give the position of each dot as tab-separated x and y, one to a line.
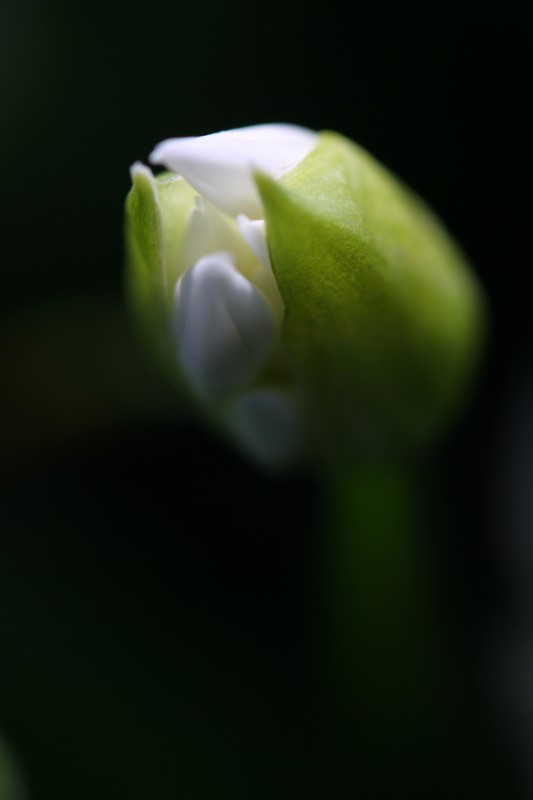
225	329
319	306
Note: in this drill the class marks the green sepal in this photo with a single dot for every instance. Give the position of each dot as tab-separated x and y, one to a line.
145	274
383	317
155	216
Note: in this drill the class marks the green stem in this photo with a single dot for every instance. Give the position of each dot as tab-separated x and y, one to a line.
401	676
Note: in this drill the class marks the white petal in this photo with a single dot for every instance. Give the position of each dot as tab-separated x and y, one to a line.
225	328
268	426
220	166
254	233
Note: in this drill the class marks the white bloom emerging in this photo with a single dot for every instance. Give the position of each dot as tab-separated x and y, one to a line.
367	343
224	326
220	166
228	310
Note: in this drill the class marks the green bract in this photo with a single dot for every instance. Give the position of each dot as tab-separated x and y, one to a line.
381	317
155	217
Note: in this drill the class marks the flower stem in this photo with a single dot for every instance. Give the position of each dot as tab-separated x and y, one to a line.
413	722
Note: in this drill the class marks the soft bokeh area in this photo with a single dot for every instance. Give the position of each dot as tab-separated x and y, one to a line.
174	622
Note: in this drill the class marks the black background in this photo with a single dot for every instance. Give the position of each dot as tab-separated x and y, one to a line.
155	587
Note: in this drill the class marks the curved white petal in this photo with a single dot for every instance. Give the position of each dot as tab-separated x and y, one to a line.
225	328
220	165
268	426
254	234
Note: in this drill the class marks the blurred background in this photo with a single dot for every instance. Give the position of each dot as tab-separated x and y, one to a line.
166	615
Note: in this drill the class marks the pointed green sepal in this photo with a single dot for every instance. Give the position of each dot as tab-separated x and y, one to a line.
156	214
383	317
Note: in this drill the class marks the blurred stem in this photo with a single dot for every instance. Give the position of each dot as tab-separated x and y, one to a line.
72	369
412	720
379	585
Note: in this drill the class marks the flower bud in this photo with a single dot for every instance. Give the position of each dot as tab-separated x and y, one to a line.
308	302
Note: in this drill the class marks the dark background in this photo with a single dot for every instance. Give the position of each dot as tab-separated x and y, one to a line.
156	589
